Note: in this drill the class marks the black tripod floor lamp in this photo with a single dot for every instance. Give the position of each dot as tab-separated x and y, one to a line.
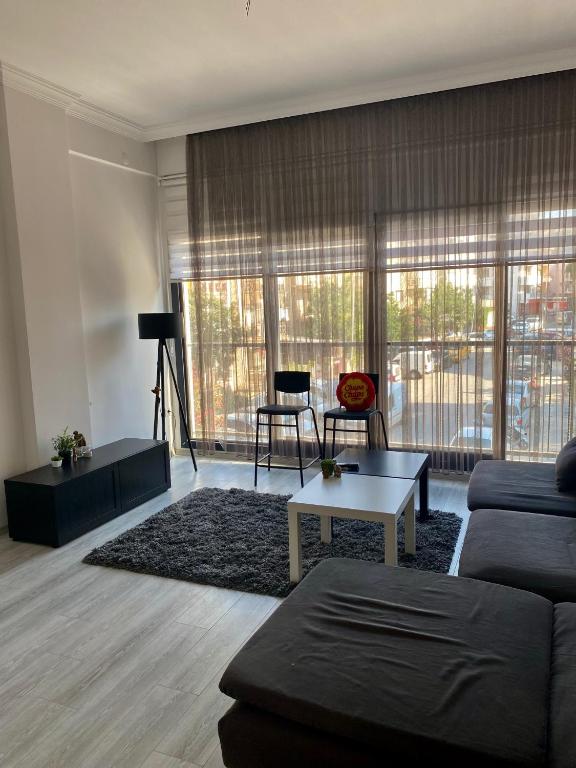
162	326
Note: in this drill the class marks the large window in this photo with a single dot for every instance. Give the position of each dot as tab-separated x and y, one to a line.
319	326
486	340
430	240
442	329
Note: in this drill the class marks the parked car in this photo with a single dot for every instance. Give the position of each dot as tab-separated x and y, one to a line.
525	325
477	436
455	353
531	366
473	438
517	420
481	336
414	363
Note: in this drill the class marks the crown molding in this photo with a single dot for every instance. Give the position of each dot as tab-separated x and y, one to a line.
70	101
75	105
442	80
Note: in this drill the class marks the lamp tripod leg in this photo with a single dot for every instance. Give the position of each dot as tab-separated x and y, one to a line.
181	408
162	390
156	391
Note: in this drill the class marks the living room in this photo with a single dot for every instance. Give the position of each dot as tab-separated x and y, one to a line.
288	382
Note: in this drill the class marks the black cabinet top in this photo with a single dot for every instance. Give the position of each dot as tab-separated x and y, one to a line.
101	457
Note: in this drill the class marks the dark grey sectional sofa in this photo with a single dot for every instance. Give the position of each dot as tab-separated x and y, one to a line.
529	551
520	486
522	530
367	665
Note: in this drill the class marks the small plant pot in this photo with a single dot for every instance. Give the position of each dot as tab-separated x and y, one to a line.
56	463
66	459
326	474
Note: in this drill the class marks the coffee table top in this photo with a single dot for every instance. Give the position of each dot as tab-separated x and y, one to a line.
385	463
358	496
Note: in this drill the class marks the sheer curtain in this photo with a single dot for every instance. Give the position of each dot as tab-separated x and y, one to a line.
429	239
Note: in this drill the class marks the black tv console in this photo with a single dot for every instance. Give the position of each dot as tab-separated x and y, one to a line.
53	506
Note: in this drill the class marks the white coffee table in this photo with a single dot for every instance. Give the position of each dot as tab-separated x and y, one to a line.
356	497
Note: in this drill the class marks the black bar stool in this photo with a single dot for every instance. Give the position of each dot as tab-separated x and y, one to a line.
286	382
341	414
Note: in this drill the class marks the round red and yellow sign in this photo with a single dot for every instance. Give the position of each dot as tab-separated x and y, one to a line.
356	391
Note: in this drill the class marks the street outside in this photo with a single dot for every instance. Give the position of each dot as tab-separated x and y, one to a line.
439	405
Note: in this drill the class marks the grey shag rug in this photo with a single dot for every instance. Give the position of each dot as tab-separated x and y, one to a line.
239	540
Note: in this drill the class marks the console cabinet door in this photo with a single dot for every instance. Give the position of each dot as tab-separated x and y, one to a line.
86	503
143	476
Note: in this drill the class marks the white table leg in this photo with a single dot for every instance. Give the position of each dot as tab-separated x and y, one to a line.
325	529
294	546
391	542
410	528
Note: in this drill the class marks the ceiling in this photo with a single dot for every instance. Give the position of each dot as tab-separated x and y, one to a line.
165	68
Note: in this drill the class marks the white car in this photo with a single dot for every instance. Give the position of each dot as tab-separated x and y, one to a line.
414	363
473	438
517	420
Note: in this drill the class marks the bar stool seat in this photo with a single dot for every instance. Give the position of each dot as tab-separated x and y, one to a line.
283	410
342	413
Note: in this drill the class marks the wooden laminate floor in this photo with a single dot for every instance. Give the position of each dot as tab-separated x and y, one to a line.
102	668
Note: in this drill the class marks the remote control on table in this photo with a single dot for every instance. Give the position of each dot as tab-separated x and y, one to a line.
349	467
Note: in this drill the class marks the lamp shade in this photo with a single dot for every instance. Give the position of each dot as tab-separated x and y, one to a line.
160	325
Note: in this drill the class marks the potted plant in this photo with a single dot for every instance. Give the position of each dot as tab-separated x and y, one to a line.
64	444
56	461
327	467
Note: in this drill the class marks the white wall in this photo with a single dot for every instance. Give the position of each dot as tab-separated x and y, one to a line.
115	213
11	435
171	156
79	258
46	267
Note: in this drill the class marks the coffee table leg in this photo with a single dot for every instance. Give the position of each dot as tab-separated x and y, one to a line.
410	528
325	529
391	543
424	494
295	546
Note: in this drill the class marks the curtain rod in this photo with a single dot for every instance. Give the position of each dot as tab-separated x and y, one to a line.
100	160
172	178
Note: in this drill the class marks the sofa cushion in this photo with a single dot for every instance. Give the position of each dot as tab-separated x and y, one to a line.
406	661
523	486
563	688
566	467
532	552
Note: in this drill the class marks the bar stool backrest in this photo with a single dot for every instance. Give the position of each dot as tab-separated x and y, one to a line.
292	383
